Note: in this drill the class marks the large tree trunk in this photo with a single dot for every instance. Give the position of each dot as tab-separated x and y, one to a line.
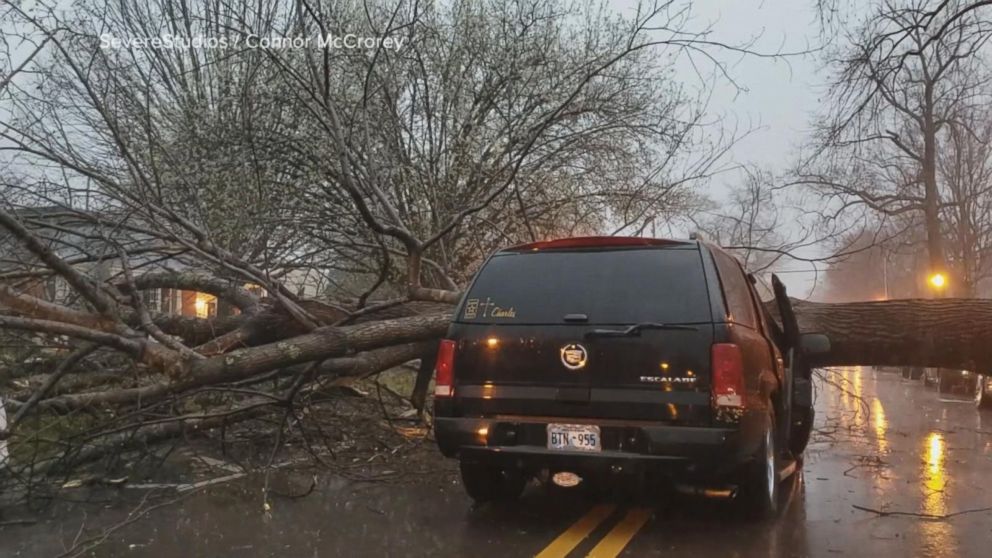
951	333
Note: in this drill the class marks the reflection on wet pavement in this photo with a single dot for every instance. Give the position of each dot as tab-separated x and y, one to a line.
880	425
939	535
882	443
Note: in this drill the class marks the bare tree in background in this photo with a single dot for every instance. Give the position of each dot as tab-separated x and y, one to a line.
890	110
751	223
878	265
965	167
773	227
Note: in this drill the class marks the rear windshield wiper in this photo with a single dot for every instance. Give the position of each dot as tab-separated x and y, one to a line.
635	330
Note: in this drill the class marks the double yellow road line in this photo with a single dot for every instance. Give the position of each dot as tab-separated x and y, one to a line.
609	546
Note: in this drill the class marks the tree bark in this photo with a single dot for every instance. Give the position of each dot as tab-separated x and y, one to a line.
949	333
407	337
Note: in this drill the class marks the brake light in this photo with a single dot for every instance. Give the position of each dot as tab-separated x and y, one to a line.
594	242
444	370
728	375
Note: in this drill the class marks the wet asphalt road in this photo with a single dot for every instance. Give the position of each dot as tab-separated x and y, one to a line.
898	449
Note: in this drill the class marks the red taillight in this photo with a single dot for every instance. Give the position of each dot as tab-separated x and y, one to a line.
444	370
728	375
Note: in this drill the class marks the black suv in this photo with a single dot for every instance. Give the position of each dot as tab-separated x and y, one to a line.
607	354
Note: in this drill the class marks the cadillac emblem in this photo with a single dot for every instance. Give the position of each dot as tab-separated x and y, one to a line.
574	356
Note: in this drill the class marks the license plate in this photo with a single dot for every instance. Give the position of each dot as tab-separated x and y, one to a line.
573	437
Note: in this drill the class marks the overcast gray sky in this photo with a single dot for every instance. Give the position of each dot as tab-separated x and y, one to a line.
777	97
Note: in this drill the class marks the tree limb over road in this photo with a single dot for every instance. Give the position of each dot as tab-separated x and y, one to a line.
948	333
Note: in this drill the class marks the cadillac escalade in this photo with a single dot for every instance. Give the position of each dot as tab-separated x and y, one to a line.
585	355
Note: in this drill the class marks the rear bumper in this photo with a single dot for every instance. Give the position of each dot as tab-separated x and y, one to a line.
522	442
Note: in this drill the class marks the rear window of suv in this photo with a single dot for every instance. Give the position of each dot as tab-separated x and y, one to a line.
618	286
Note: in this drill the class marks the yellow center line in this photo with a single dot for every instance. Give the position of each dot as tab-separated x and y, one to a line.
561	546
615	541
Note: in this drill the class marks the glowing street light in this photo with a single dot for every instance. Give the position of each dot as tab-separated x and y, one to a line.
937	280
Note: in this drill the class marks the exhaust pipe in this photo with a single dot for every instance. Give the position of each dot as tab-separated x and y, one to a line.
706	491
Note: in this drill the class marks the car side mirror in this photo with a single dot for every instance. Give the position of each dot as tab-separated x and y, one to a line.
814	344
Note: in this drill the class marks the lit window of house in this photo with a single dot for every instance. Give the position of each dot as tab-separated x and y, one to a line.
206	305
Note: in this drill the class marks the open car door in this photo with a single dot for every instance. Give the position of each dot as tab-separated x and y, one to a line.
799	382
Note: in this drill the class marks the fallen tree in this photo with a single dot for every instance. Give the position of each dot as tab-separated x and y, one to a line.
950	333
939	333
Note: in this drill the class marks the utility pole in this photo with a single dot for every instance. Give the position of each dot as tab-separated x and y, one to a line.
885	272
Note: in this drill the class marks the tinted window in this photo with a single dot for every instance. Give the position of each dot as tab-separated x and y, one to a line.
735	290
609	286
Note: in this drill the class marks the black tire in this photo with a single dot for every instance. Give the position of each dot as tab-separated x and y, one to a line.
927	381
905	372
759	489
915	373
488	483
983	399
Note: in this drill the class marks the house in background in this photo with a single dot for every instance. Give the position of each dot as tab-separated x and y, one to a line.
179	302
94	249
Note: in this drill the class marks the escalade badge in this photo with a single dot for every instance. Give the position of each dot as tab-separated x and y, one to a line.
574	356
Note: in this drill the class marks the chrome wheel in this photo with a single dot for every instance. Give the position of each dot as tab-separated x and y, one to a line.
771	472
